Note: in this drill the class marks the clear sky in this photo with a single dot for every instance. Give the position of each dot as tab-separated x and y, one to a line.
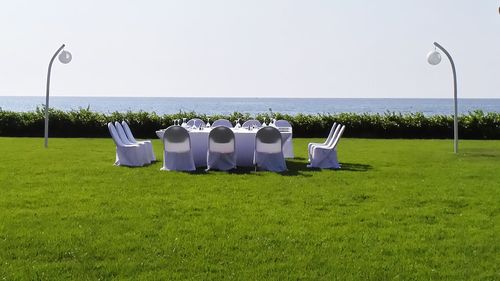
253	48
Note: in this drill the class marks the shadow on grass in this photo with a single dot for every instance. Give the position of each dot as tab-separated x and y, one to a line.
296	167
355	167
479	152
237	171
138	167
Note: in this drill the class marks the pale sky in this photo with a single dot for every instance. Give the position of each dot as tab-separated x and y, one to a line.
253	48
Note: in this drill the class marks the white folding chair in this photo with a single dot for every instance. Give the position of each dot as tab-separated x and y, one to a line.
268	154
177	154
325	156
221	153
250	123
126	154
327	141
147	143
125	140
288	145
195	122
222	122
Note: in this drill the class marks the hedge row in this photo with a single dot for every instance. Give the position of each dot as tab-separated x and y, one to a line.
86	123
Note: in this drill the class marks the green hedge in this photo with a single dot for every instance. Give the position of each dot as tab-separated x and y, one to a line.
86	123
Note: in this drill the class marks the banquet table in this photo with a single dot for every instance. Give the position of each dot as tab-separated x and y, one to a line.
244	144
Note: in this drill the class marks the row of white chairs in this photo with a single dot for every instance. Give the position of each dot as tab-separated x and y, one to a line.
226	123
200	123
129	151
221	154
287	147
324	155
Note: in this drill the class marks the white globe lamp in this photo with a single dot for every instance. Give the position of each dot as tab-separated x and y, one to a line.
65	57
434	57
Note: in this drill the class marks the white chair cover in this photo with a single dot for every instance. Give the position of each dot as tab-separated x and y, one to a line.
268	153
195	121
222	122
282	123
221	154
288	145
177	154
328	140
149	151
125	140
325	156
121	133
126	154
251	123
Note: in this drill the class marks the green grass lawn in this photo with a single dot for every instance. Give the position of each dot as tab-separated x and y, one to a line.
398	210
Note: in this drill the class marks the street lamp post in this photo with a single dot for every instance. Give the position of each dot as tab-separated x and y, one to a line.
64	57
434	58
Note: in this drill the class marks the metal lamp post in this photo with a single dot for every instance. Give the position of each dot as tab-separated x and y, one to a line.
64	57
434	58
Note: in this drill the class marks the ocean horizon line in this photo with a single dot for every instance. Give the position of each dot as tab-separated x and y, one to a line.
295	98
227	105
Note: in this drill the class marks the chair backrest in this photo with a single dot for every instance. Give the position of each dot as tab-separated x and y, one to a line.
196	121
176	139
282	123
128	132
337	137
332	130
221	139
334	135
121	133
268	140
114	135
250	123
222	122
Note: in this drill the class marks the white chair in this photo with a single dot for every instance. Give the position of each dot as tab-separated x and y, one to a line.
250	123
125	140
288	145
177	154
325	156
222	122
150	152
327	141
268	154
195	121
126	154
147	145
221	153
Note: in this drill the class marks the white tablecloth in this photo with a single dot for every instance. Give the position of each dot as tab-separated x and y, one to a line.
244	142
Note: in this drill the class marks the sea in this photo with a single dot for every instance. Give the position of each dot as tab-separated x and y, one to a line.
252	106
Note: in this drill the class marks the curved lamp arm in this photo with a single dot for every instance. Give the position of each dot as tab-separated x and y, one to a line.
455	117
46	131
